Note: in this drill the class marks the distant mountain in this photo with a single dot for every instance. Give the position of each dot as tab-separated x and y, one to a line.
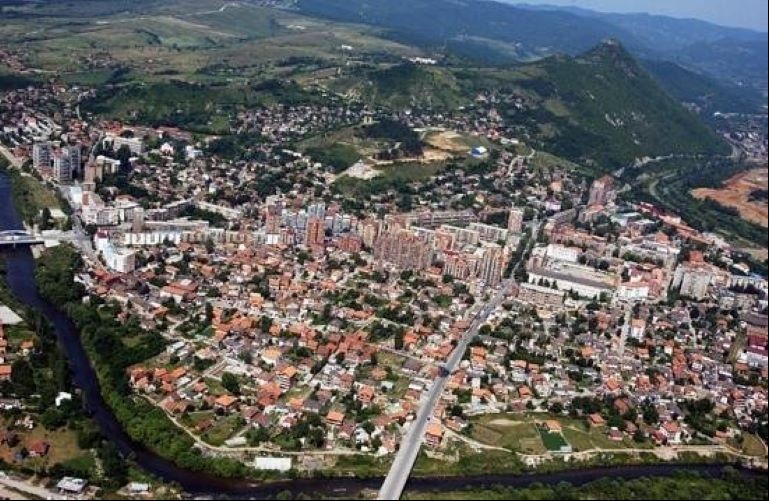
469	23
730	54
660	33
739	61
493	32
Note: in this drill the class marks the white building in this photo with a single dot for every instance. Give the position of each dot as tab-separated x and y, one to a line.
633	291
563	253
116	259
135	144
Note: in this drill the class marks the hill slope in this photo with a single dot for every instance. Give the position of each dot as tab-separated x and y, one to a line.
707	93
612	111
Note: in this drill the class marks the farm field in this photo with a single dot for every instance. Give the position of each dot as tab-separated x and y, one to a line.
191	40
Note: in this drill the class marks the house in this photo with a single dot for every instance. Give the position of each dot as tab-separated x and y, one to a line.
335	418
286	376
226	402
71	485
671	430
5	372
434	435
39	449
596	420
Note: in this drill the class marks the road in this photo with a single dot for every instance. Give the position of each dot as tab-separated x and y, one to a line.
25	487
13	159
399	473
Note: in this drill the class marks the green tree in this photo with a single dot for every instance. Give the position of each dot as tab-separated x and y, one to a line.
230	383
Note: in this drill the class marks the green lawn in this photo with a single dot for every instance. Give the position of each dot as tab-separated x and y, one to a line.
579	440
752	445
553	441
362	466
222	430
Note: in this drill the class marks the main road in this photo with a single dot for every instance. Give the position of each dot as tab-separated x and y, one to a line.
399	473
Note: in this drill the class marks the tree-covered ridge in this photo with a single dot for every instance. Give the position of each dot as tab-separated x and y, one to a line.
606	110
197	107
405	85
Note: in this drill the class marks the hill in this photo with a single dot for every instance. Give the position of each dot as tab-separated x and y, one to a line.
404	85
601	108
605	109
739	61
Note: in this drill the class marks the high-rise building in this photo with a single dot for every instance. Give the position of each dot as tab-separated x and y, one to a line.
62	169
369	231
601	192
491	264
459	265
41	155
273	219
515	221
137	222
316	232
350	243
404	249
135	144
75	158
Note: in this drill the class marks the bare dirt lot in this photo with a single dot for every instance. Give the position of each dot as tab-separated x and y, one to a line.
736	193
447	141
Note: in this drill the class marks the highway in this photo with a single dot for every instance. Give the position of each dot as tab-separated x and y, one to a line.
399	473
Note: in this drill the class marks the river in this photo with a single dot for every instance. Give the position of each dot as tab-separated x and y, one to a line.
20	266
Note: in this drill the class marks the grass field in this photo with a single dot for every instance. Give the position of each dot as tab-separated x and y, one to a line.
582	437
470	463
63	444
222	430
554	442
509	432
31	196
362	466
752	445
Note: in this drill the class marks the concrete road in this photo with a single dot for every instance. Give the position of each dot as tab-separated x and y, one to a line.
21	486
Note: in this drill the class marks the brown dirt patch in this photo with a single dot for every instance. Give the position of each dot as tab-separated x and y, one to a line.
736	193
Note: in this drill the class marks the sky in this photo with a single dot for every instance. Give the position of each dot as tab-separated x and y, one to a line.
742	13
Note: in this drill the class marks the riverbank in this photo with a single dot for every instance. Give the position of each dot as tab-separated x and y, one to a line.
728	484
36	203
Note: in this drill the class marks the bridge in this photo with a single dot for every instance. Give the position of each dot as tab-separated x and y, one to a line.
13	238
